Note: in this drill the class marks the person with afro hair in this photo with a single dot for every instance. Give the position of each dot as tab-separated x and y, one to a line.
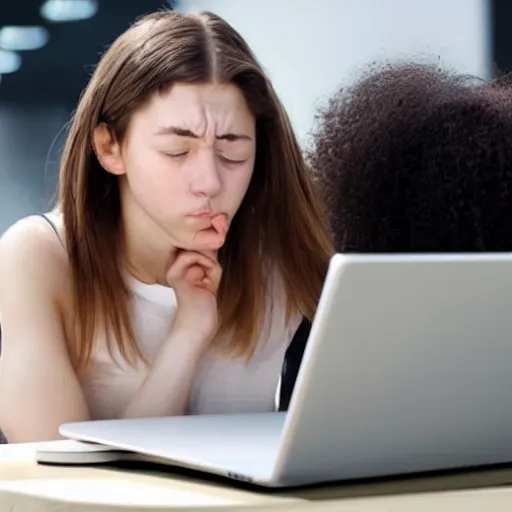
413	158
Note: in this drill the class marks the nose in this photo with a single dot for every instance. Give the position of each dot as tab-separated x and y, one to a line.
206	179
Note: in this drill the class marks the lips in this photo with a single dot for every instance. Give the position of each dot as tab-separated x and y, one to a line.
205	215
214	236
220	224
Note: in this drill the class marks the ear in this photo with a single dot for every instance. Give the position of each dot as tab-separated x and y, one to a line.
108	150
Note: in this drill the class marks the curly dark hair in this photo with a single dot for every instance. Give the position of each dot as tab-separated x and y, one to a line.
414	158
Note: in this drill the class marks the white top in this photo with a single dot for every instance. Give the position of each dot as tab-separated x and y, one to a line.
221	385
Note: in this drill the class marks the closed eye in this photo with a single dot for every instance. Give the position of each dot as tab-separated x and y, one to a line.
177	154
231	160
225	159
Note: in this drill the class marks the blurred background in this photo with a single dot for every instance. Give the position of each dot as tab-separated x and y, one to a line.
48	49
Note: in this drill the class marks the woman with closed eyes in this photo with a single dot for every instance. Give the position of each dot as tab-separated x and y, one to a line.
186	246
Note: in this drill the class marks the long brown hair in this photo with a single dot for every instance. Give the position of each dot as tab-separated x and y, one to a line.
280	221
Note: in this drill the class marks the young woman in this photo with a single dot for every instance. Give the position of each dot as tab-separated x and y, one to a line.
188	243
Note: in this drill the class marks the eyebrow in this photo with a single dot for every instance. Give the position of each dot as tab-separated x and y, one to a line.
183	132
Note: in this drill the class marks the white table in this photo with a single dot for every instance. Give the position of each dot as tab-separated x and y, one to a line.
29	487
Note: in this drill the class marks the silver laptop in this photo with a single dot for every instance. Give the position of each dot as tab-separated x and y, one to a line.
408	369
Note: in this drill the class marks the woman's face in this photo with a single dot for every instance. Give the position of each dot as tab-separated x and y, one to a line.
188	155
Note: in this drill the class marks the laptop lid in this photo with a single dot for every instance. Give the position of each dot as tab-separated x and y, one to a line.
408	368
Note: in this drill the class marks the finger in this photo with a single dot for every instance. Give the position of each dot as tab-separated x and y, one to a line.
186	258
208	239
220	224
210	253
213	237
195	275
206	276
212	279
183	262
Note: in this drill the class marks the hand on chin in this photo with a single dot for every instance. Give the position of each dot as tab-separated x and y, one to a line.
194	274
210	238
205	241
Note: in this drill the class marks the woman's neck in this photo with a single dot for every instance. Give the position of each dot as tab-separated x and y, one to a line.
146	250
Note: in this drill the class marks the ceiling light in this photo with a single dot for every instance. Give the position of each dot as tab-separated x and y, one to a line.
9	62
23	38
68	10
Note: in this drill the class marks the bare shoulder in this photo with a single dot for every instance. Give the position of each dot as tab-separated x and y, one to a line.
35	319
30	249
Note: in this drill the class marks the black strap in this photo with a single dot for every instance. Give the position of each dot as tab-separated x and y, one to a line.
52	224
292	362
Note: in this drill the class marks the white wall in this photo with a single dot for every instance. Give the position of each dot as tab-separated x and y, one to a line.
309	48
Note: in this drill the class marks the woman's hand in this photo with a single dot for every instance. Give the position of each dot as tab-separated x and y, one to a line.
194	274
195	277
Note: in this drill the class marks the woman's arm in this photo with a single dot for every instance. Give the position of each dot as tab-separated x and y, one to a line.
166	389
39	389
195	278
